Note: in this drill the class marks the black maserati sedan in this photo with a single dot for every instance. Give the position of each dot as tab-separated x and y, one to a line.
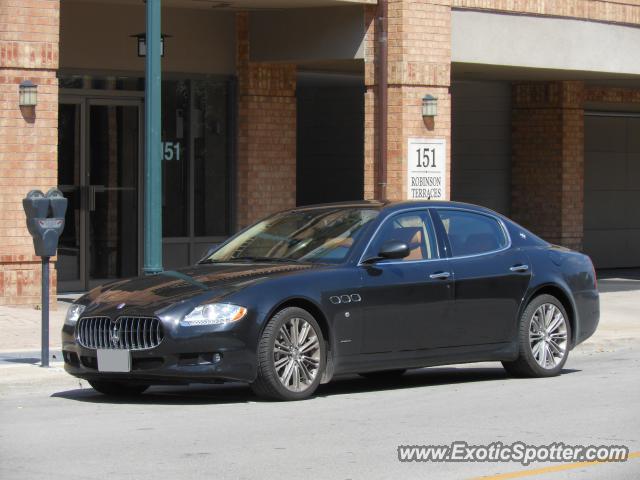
368	288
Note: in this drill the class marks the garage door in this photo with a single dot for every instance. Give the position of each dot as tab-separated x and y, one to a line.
612	190
481	144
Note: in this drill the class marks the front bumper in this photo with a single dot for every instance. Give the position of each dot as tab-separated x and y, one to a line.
204	354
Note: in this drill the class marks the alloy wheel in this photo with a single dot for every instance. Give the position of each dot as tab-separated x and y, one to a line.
296	354
548	336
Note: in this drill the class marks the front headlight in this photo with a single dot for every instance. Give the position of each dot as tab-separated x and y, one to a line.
73	314
214	314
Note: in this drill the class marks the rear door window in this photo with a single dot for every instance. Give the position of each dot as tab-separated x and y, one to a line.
472	233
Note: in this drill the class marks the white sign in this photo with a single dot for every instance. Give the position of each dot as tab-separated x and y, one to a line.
426	163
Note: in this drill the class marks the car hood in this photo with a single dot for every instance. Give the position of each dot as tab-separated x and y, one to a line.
170	287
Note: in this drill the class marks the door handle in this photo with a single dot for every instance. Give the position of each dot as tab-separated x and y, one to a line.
440	276
93	189
92	198
519	268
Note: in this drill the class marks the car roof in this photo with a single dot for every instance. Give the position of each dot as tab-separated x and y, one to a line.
391	206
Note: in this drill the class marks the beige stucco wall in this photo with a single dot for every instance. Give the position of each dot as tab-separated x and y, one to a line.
544	42
95	36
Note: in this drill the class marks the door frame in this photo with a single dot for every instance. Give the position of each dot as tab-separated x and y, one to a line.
85	99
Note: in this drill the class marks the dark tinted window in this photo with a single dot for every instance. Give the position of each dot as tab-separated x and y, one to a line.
472	233
412	228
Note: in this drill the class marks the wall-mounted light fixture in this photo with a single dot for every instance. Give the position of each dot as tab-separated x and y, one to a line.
142	43
429	106
28	94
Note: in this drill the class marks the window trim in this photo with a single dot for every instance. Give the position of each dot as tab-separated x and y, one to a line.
432	223
500	222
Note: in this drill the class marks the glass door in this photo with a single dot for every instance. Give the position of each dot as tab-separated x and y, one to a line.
113	180
71	265
100	146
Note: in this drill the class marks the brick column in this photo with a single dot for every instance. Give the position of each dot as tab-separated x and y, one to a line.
419	64
266	133
29	38
548	160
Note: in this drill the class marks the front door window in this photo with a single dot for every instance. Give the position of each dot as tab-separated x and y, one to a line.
410	228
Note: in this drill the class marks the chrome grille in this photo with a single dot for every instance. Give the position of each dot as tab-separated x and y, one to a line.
126	333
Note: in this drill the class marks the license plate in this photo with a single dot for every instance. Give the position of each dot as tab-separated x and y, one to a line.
114	361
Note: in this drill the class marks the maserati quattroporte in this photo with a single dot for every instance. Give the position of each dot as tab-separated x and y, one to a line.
367	288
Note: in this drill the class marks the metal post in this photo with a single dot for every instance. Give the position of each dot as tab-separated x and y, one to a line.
44	353
383	102
153	159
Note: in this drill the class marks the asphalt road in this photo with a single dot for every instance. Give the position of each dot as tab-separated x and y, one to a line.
50	427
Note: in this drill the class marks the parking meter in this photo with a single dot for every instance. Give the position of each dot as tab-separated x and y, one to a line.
45	219
45	222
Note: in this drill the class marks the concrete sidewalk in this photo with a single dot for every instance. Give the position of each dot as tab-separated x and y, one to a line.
20	327
619	321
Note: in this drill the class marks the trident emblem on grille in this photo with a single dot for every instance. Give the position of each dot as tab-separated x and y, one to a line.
115	337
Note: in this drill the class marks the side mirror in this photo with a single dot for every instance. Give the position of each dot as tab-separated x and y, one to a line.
390	250
394	249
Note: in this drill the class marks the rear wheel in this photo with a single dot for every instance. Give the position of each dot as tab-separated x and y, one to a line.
544	339
118	389
291	356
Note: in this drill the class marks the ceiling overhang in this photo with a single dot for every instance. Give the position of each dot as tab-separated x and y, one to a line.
235	5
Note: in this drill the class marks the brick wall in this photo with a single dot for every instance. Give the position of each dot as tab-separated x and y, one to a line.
548	155
29	33
548	160
419	64
266	133
612	95
614	11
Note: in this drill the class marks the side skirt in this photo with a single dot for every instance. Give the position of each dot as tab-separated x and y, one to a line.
373	362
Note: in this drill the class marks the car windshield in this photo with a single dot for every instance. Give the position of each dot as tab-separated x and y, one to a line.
323	235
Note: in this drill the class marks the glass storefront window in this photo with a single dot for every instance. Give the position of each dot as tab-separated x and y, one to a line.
211	166
195	136
97	127
195	147
108	82
176	129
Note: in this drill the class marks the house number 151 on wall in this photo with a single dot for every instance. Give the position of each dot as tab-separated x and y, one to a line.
171	151
426	179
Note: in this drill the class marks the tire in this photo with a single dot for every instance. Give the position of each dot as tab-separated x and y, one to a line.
290	365
384	375
118	389
542	351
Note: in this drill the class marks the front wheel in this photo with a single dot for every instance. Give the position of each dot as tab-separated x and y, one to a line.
118	389
291	356
544	339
